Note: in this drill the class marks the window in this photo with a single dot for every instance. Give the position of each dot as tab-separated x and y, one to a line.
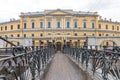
107	34
24	35
18	26
33	42
113	34
58	24
25	25
33	25
67	24
11	27
106	26
75	34
75	24
68	33
18	35
5	27
84	34
6	36
107	43
32	35
41	24
1	28
11	35
84	24
49	33
117	27
93	24
93	34
49	24
99	26
112	27
18	43
99	34
58	33
41	34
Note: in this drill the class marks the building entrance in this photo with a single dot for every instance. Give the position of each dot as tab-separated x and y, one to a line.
58	46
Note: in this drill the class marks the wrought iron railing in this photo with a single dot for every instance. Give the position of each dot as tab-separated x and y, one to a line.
26	65
105	64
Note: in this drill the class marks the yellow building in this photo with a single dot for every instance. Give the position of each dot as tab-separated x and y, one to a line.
58	27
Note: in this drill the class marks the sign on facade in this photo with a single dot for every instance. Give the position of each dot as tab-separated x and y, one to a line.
27	42
92	41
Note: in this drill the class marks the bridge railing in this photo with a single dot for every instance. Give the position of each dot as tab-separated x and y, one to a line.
103	63
26	66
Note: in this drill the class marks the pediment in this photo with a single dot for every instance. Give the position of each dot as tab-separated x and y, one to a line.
58	12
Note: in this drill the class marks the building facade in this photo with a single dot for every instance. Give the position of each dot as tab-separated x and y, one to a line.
58	27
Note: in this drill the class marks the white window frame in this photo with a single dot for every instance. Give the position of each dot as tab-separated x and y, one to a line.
75	24
57	24
67	25
32	24
83	23
48	24
42	24
92	22
24	25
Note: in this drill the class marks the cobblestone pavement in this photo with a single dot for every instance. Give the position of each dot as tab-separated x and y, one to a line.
62	68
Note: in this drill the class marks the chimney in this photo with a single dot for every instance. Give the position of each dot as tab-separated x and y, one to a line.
10	19
95	13
105	19
110	20
100	17
13	19
22	13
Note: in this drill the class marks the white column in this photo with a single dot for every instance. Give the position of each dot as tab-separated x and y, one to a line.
45	22
61	22
64	23
52	23
55	22
71	23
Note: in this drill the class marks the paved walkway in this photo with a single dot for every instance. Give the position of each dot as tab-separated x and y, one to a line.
62	68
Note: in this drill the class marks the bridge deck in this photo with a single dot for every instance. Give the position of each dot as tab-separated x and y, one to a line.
62	68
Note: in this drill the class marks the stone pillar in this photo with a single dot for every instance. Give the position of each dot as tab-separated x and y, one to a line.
45	23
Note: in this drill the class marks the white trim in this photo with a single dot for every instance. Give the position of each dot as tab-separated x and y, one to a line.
50	25
40	24
74	24
92	23
31	24
57	24
66	24
83	23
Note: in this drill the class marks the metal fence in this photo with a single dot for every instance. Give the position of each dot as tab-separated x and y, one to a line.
26	65
103	63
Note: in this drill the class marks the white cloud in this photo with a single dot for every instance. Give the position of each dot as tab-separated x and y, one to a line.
12	8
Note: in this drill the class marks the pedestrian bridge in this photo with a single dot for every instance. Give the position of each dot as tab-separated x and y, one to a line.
69	64
63	68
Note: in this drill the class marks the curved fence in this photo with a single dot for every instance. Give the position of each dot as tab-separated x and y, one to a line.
26	65
103	63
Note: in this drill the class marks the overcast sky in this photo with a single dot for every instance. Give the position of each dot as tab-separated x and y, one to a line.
106	8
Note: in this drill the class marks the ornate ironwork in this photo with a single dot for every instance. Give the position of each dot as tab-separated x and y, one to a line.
26	66
105	63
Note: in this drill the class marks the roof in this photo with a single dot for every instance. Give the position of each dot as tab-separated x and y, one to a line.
108	21
11	21
66	11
